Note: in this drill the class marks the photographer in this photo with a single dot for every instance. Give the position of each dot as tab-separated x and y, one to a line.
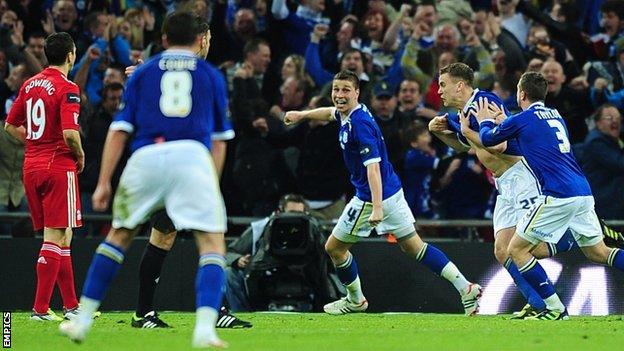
251	252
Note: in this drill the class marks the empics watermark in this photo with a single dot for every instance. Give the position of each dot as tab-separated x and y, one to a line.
6	330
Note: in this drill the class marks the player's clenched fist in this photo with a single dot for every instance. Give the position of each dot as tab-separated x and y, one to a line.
293	117
438	124
101	197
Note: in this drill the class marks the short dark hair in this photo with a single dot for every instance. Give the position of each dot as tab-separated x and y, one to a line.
111	87
37	34
57	47
413	131
615	6
345	74
459	70
91	20
253	46
182	28
534	86
352	50
292	198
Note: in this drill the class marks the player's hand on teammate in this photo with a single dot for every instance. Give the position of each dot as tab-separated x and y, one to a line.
439	124
292	117
376	217
130	69
483	110
464	121
101	196
497	113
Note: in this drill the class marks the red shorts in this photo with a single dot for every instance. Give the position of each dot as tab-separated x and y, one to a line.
53	198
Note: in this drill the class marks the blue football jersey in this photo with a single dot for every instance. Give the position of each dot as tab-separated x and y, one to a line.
174	96
362	144
543	138
471	106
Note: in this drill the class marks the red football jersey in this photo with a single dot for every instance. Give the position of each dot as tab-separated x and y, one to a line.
47	104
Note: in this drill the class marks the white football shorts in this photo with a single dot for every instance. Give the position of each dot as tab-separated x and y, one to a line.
179	176
397	220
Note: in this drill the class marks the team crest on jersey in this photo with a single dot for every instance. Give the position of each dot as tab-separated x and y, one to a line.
364	151
344	137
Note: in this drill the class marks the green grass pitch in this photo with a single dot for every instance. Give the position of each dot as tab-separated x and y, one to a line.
319	332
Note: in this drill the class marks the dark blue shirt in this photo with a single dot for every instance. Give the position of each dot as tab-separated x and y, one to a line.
362	143
543	139
417	168
174	96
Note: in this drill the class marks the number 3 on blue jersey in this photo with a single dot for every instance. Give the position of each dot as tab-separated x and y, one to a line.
175	94
564	143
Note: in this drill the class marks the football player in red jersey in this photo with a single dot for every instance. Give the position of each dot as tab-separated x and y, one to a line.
45	118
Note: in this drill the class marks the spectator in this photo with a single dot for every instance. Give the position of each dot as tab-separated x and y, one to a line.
94	129
512	21
613	26
602	158
299	25
36	42
419	163
64	17
295	92
383	107
573	105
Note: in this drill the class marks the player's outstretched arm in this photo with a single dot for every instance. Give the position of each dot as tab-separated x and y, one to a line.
438	126
113	149
319	114
475	139
72	139
18	133
373	173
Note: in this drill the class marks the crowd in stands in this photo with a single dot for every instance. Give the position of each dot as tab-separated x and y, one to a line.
281	55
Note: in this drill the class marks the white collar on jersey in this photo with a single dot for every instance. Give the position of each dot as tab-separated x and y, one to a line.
348	119
179	52
470	101
536	103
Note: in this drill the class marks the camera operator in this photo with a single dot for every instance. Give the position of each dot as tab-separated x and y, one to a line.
240	252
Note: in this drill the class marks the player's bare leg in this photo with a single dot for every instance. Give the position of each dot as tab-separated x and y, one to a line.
209	288
106	262
436	261
346	268
48	266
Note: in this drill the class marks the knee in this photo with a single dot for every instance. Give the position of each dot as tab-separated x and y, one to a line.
336	254
162	241
500	252
119	237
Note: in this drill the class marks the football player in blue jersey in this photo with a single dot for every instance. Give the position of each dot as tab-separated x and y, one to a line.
517	186
378	202
173	106
162	237
567	201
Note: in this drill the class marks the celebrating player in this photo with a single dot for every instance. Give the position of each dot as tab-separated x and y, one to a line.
171	167
45	118
518	189
567	201
378	203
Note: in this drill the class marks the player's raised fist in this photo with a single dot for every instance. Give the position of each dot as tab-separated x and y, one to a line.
293	117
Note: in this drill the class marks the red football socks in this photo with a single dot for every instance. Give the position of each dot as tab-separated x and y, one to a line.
65	280
48	265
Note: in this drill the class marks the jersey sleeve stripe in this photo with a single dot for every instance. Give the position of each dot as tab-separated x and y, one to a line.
372	160
226	135
122	125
